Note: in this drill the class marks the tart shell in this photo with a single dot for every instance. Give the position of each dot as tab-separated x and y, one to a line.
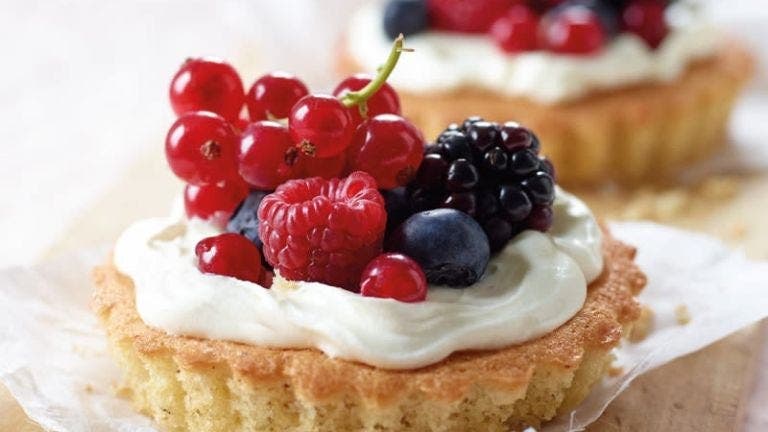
195	384
628	135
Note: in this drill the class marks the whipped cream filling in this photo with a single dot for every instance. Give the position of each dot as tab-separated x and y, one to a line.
445	61
537	283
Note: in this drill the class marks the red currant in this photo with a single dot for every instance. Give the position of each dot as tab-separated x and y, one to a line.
267	155
516	30
201	148
230	254
469	16
394	276
646	19
214	202
574	30
273	95
327	168
204	84
321	125
384	101
389	148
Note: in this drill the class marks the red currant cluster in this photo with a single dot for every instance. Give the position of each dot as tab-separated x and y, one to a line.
284	136
578	27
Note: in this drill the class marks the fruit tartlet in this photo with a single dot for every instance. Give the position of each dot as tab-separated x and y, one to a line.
622	90
331	272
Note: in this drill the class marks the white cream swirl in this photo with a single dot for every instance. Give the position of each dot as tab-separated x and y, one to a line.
445	61
537	283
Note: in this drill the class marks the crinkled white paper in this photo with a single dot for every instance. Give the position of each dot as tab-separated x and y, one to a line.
53	354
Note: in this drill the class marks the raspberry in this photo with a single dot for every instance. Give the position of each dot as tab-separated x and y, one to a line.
323	230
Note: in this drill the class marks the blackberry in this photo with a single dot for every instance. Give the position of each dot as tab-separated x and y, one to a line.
490	171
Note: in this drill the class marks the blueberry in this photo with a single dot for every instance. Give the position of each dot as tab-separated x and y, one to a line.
523	163
515	202
405	16
245	220
540	187
607	13
449	245
454	145
398	206
461	176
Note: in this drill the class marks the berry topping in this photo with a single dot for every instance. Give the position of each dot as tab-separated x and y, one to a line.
405	17
201	148
398	206
516	30
449	245
214	202
383	101
489	171
204	84
267	155
389	148
394	276
323	230
321	125
572	30
245	220
229	255
646	19
470	16
326	168
273	95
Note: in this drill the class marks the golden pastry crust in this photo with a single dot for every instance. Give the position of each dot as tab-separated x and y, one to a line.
188	383
631	134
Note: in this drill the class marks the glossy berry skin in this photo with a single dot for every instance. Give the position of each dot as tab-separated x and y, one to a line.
214	202
230	255
384	101
266	155
573	30
205	84
201	148
450	246
323	230
405	16
646	19
389	148
466	16
398	206
516	30
394	276
245	220
321	125
273	95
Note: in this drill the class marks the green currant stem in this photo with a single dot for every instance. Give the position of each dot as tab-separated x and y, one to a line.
359	97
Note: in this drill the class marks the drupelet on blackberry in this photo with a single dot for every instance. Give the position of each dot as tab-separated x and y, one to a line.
491	171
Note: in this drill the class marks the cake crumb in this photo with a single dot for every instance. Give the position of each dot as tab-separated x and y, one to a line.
615	371
642	326
88	388
682	314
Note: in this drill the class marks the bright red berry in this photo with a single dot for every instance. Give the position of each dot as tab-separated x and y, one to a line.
321	125
230	254
327	168
201	148
646	19
395	276
323	230
516	30
469	16
273	95
389	148
384	101
267	155
204	84
214	202
573	30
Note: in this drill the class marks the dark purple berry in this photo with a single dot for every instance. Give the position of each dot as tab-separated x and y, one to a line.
463	201
540	218
540	187
432	171
515	202
470	121
515	137
495	160
487	205
483	135
523	163
547	167
461	176
398	206
499	232
454	145
424	199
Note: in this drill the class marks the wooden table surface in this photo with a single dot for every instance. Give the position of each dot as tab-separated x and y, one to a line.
704	391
